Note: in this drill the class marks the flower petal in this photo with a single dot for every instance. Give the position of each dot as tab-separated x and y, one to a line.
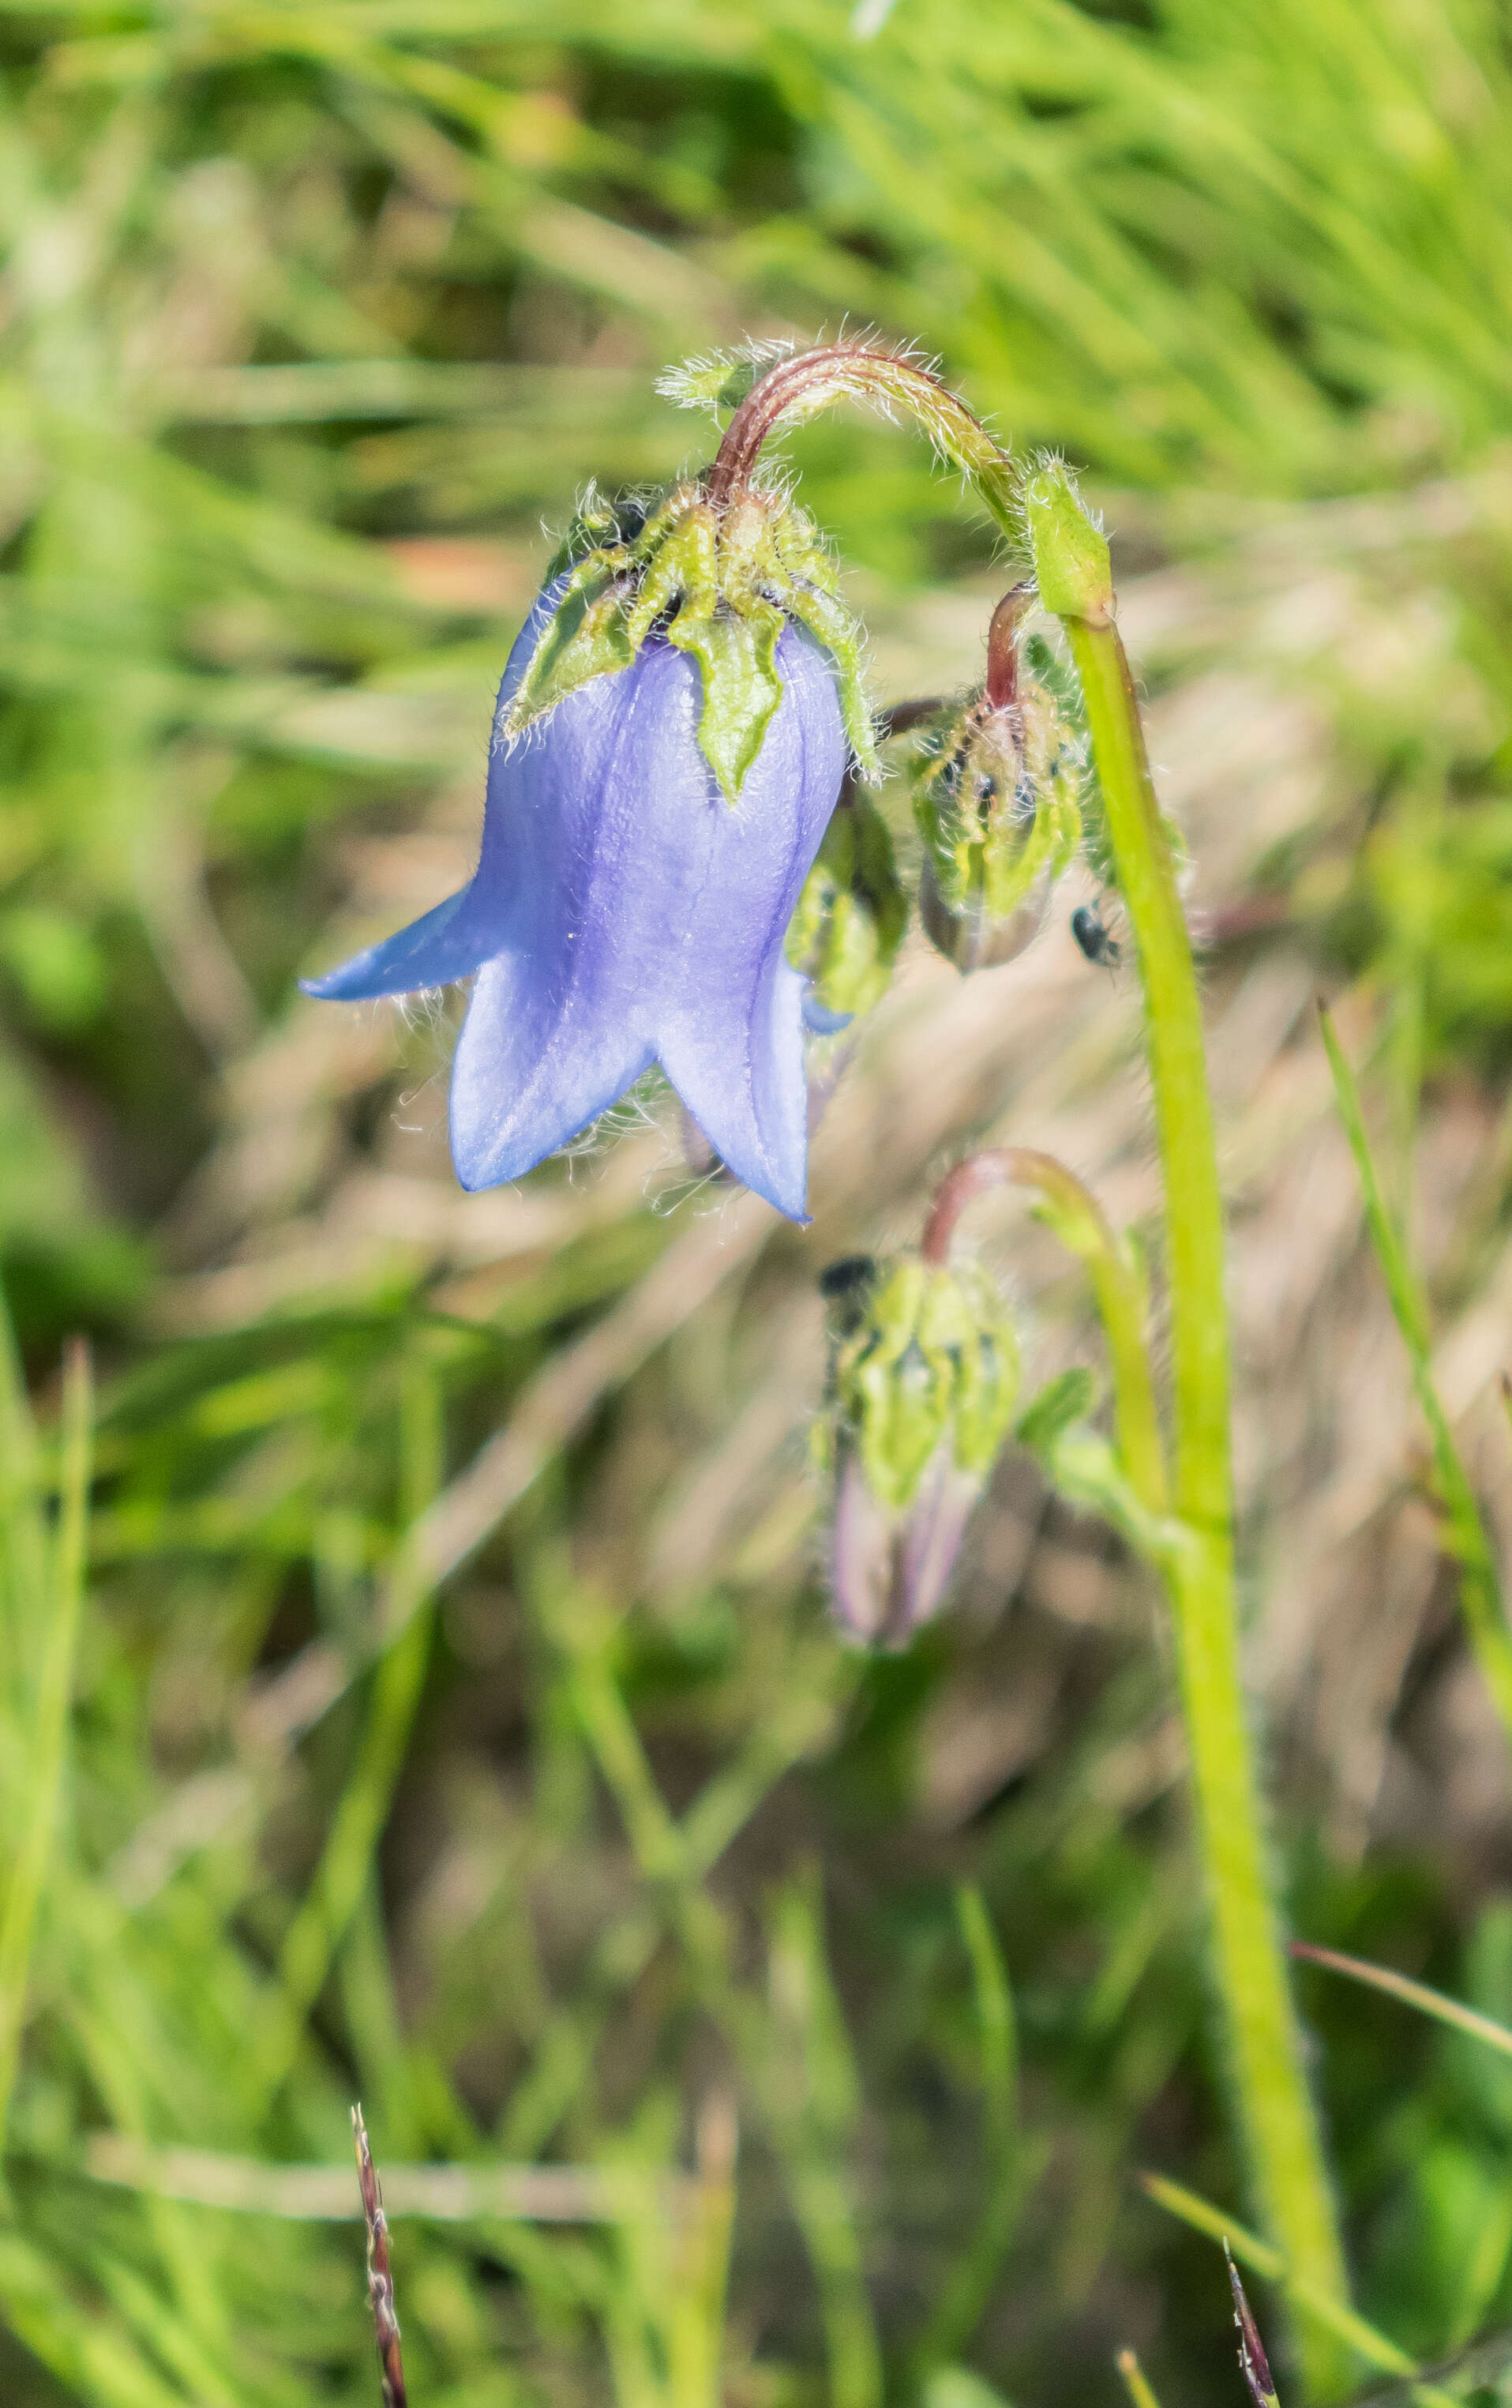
729	1031
448	943
470	926
533	1068
645	921
739	1070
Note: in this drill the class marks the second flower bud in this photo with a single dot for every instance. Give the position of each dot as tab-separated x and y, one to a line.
997	796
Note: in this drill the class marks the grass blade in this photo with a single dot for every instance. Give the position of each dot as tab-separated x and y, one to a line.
54	1684
1322	2306
1411	1993
968	2284
1135	2381
1480	1588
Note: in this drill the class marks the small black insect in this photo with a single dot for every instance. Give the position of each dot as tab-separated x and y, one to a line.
1087	930
853	1275
845	1287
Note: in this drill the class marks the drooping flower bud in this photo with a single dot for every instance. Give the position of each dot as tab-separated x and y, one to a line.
997	789
924	1379
851	914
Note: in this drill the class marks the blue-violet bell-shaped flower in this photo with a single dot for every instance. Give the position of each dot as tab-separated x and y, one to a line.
627	910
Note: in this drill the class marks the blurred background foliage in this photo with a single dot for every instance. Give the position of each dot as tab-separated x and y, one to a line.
559	1828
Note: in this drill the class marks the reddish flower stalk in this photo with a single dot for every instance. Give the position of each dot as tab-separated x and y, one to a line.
1008	1165
379	2275
810	381
1079	1223
1002	647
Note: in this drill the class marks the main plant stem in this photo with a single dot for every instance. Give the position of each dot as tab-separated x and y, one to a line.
1280	2125
1074	577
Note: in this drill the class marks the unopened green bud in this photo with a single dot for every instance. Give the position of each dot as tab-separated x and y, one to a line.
1072	562
924	1383
997	799
896	1396
853	912
930	1358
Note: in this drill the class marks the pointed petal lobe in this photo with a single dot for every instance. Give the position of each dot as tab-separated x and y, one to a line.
533	1068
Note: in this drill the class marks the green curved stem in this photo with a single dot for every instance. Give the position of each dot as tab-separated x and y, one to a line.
1078	1221
1279	2122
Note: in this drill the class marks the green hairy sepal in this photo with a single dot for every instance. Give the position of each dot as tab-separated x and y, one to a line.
719	382
853	912
932	1357
720	585
997	796
1072	566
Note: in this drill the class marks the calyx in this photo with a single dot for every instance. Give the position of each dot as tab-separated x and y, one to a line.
926	1356
997	799
718	582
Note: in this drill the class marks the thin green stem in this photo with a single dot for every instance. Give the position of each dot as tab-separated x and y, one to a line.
50	1708
1178	1069
1280	2124
1080	1222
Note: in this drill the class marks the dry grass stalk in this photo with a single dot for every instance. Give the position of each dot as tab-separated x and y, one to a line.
379	2276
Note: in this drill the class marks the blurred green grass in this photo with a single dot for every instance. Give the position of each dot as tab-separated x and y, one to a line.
308	318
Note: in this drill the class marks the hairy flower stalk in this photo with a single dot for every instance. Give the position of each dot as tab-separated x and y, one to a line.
1276	2109
799	387
1079	1223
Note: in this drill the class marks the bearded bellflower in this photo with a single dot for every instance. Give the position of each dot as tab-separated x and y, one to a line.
672	732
